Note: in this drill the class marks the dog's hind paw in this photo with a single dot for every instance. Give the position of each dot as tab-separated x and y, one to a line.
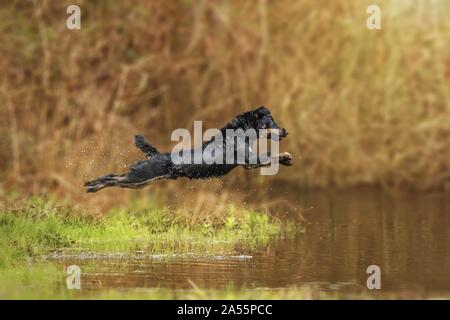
87	183
91	189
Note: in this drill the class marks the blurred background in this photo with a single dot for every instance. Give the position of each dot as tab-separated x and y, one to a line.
363	107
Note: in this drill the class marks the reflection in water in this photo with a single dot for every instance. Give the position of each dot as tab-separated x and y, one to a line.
406	235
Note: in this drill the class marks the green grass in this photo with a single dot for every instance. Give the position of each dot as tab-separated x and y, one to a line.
38	226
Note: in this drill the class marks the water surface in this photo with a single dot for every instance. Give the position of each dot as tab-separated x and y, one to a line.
406	235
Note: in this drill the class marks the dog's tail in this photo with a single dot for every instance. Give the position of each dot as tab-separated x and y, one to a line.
145	146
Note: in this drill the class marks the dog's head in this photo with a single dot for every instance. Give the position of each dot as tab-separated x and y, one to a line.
261	118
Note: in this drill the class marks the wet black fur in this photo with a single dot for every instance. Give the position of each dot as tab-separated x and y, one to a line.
159	165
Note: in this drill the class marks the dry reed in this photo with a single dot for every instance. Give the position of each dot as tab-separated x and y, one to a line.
362	106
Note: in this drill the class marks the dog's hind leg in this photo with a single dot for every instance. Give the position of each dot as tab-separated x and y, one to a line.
110	180
126	180
145	146
141	173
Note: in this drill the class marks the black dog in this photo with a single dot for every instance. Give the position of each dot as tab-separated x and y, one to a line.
160	165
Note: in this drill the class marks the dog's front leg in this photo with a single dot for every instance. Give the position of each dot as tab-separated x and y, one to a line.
284	159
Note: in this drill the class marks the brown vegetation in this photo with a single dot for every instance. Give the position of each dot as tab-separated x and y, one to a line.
362	106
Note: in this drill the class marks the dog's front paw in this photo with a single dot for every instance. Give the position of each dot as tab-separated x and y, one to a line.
285	159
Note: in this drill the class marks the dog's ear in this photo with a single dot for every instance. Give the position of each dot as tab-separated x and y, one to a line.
261	112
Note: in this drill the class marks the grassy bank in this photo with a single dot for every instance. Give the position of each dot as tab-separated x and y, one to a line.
38	226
